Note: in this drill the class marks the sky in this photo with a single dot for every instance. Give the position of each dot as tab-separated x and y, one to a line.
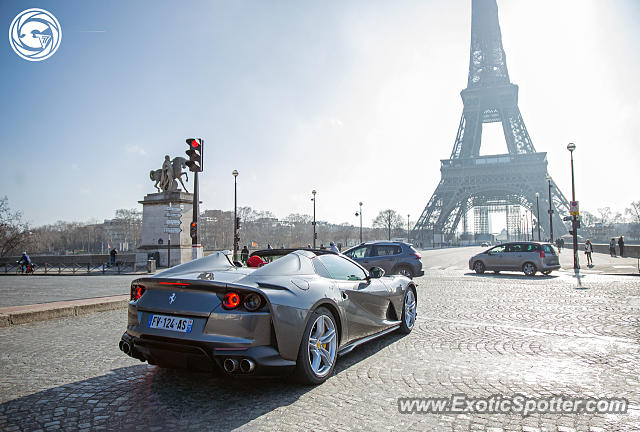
358	100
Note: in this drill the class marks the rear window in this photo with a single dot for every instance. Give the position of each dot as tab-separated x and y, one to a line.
548	249
320	268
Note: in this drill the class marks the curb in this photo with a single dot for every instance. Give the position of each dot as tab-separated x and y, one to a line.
14	315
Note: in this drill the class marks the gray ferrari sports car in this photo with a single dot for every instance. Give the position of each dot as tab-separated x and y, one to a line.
297	312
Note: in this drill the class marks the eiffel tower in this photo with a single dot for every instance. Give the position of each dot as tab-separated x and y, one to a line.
497	182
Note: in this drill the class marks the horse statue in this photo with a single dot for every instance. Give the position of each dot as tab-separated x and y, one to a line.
170	184
178	164
156	176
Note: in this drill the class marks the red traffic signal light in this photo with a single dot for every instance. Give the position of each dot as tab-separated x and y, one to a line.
195	154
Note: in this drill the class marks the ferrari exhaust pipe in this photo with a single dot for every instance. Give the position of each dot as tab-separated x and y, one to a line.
125	347
247	366
230	365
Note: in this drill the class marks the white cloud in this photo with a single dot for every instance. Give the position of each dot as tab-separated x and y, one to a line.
135	148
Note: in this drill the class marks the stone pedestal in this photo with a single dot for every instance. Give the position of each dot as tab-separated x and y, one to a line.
154	239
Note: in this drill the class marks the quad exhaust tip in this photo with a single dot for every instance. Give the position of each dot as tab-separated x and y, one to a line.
247	366
125	347
230	365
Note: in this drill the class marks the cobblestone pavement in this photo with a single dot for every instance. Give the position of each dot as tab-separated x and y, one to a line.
479	335
24	290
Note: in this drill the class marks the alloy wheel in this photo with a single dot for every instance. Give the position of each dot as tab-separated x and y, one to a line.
322	344
410	309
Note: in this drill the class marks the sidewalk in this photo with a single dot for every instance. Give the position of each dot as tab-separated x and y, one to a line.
43	311
602	263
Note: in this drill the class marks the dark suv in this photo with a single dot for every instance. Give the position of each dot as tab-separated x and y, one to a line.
392	257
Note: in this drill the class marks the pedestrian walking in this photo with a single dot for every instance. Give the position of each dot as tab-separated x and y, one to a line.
588	249
612	247
333	247
621	245
112	254
244	255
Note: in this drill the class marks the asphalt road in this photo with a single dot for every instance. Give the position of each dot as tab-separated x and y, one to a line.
476	334
24	290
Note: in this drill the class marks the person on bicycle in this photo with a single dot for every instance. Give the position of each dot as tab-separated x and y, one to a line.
25	261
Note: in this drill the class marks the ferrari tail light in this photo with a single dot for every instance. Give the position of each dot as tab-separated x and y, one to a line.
252	302
231	300
542	255
136	291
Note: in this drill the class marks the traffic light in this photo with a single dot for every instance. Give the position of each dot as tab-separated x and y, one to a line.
237	239
195	154
238	222
193	229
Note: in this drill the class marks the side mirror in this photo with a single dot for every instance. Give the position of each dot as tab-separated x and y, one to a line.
376	273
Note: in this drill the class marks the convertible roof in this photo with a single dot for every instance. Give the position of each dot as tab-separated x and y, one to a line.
280	252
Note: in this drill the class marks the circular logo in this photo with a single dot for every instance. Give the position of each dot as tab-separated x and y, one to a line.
35	34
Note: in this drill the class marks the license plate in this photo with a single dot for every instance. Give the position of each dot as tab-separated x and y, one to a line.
172	323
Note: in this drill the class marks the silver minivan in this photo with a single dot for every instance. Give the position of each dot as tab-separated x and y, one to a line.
527	257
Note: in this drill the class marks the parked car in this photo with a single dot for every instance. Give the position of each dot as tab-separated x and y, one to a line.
485	244
393	257
296	313
527	257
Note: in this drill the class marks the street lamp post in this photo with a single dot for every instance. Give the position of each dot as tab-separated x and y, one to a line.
408	239
235	215
538	210
574	222
313	192
531	217
550	211
360	214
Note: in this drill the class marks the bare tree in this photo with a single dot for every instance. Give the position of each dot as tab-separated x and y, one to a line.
634	218
634	212
605	215
130	222
389	220
588	219
14	233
